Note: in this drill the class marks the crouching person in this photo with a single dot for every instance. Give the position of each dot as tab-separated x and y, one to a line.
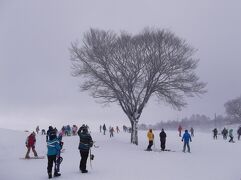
85	144
53	150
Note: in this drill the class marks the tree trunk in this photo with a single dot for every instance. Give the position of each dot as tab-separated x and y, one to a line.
134	131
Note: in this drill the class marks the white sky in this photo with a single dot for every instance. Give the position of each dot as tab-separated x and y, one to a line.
36	85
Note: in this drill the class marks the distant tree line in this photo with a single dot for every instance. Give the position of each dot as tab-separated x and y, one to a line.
203	122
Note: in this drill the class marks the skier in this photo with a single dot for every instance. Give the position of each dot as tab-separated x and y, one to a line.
239	132
104	128
163	139
37	129
85	144
180	130
215	133
192	131
30	144
54	148
186	138
224	133
230	134
150	137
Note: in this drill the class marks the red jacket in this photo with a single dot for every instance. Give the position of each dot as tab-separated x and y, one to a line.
30	142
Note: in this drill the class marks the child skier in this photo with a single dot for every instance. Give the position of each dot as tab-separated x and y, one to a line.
150	137
186	138
30	144
54	148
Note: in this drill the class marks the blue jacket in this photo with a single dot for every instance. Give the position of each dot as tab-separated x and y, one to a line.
53	147
186	137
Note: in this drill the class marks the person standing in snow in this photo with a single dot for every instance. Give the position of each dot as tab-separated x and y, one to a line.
215	133
239	132
104	128
85	144
30	144
111	132
163	139
224	133
192	131
180	130
37	129
150	137
230	134
53	145
186	138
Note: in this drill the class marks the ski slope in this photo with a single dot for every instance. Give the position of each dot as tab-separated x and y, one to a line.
117	159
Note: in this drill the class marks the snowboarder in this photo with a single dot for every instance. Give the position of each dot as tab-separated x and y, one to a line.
230	134
150	137
180	130
186	138
224	133
239	132
37	129
54	148
192	131
104	128
215	133
30	144
85	144
163	139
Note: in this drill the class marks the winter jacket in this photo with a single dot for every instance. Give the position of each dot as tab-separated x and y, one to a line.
150	136
85	142
186	137
162	135
230	133
30	142
53	147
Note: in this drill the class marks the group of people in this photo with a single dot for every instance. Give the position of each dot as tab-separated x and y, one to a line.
227	133
186	138
54	146
111	130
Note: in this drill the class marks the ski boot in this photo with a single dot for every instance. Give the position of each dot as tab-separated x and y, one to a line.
56	174
50	175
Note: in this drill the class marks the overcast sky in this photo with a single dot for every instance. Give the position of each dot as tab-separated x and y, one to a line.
35	67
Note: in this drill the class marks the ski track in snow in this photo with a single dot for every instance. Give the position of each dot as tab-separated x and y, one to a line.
117	159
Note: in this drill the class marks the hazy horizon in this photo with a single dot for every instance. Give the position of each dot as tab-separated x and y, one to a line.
35	68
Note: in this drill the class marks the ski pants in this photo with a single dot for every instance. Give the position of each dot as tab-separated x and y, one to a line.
163	144
231	139
28	151
184	146
150	145
84	156
51	160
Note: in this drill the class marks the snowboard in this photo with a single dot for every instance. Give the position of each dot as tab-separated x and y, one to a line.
38	157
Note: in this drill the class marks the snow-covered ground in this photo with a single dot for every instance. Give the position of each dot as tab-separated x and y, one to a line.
117	159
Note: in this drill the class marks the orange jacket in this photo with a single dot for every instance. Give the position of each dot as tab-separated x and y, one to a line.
150	136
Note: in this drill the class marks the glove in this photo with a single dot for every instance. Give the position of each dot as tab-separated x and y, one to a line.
182	140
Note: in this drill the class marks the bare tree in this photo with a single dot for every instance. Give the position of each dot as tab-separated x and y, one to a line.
129	69
233	108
